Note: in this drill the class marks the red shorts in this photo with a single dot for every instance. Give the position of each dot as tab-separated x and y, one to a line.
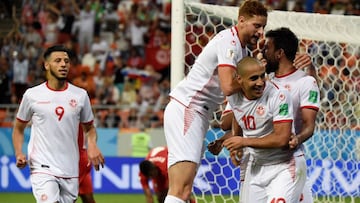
85	182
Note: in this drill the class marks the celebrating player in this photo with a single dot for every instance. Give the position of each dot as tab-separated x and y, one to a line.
194	99
265	114
303	89
55	109
280	48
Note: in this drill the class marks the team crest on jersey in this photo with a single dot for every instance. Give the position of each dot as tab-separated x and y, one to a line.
260	110
73	103
230	54
281	96
287	86
43	197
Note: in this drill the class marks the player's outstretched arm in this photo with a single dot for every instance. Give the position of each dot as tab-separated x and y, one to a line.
18	140
94	154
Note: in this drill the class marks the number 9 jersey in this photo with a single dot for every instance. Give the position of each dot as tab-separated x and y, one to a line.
55	117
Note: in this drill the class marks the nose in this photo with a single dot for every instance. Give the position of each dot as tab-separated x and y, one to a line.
260	81
261	31
63	63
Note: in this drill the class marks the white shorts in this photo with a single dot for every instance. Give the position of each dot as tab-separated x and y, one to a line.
307	193
49	189
185	131
282	182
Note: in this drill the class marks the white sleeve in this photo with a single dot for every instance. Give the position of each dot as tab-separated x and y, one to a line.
86	114
282	106
309	93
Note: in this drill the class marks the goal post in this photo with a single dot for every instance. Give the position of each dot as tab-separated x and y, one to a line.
333	42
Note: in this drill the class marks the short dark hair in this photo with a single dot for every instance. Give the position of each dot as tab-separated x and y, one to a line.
146	167
56	48
285	39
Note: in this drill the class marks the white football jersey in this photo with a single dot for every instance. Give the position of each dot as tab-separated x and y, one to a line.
256	118
200	87
304	93
55	116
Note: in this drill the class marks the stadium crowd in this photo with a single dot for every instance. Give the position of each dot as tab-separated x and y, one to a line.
121	50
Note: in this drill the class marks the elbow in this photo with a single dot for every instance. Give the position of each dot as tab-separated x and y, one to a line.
228	91
224	126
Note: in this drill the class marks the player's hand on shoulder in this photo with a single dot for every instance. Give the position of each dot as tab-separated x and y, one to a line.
302	61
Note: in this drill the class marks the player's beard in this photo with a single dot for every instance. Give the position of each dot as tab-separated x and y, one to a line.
271	66
59	77
253	40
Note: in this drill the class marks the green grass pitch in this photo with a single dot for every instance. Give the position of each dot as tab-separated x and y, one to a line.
99	198
127	198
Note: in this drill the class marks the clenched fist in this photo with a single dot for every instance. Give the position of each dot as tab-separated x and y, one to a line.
215	147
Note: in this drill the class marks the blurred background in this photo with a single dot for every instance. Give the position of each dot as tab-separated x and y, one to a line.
121	56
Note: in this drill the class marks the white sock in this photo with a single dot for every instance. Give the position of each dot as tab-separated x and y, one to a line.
173	199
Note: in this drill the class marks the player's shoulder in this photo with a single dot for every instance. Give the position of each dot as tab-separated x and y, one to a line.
301	75
37	88
271	86
75	88
306	80
226	34
272	90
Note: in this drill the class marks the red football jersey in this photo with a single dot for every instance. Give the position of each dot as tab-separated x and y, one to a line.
158	156
85	183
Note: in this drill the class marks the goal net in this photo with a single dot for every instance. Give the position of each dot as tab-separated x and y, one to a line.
333	152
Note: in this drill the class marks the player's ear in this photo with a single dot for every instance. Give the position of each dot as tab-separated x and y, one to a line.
238	78
46	65
281	53
241	20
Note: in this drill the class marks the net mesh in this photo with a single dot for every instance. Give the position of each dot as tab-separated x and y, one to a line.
333	152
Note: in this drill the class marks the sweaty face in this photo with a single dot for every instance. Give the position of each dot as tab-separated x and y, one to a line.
58	65
253	81
254	27
272	62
